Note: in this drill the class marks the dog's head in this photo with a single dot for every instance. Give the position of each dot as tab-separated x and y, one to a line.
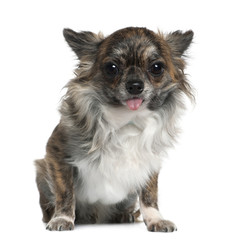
132	66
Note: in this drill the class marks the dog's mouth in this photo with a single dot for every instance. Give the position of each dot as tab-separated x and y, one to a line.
134	103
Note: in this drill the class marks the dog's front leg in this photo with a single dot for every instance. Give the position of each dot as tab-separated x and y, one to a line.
149	208
62	183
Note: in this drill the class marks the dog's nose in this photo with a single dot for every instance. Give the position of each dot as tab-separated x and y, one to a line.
134	87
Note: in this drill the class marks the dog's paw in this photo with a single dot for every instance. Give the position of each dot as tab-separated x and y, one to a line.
126	218
160	226
60	224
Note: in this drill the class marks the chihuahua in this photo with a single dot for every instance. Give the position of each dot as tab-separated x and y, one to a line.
118	119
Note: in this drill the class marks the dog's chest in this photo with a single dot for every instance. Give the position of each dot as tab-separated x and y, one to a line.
126	155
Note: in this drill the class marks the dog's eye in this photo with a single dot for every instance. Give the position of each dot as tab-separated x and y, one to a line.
111	69
156	69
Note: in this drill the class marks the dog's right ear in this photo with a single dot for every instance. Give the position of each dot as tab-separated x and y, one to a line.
84	44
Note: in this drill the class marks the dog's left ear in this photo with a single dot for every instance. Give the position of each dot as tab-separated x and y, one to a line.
179	41
84	44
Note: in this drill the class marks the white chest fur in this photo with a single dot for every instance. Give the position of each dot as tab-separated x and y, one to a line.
129	145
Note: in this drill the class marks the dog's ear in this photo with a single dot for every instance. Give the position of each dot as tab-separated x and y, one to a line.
179	41
84	44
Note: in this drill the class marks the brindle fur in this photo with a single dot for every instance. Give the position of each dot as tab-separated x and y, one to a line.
78	136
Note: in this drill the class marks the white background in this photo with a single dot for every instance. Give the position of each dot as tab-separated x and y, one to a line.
197	182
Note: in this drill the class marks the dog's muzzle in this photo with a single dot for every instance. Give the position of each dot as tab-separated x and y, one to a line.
134	87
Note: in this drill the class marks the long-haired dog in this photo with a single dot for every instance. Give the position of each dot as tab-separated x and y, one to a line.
118	118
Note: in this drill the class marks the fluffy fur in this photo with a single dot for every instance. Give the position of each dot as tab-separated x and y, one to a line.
107	149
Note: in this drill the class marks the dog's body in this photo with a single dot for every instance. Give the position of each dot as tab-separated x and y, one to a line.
117	120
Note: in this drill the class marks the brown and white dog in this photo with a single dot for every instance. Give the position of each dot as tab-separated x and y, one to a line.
118	118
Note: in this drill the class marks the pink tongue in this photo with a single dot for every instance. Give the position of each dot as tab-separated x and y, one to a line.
134	104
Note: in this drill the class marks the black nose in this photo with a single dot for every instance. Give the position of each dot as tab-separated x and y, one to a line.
134	87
